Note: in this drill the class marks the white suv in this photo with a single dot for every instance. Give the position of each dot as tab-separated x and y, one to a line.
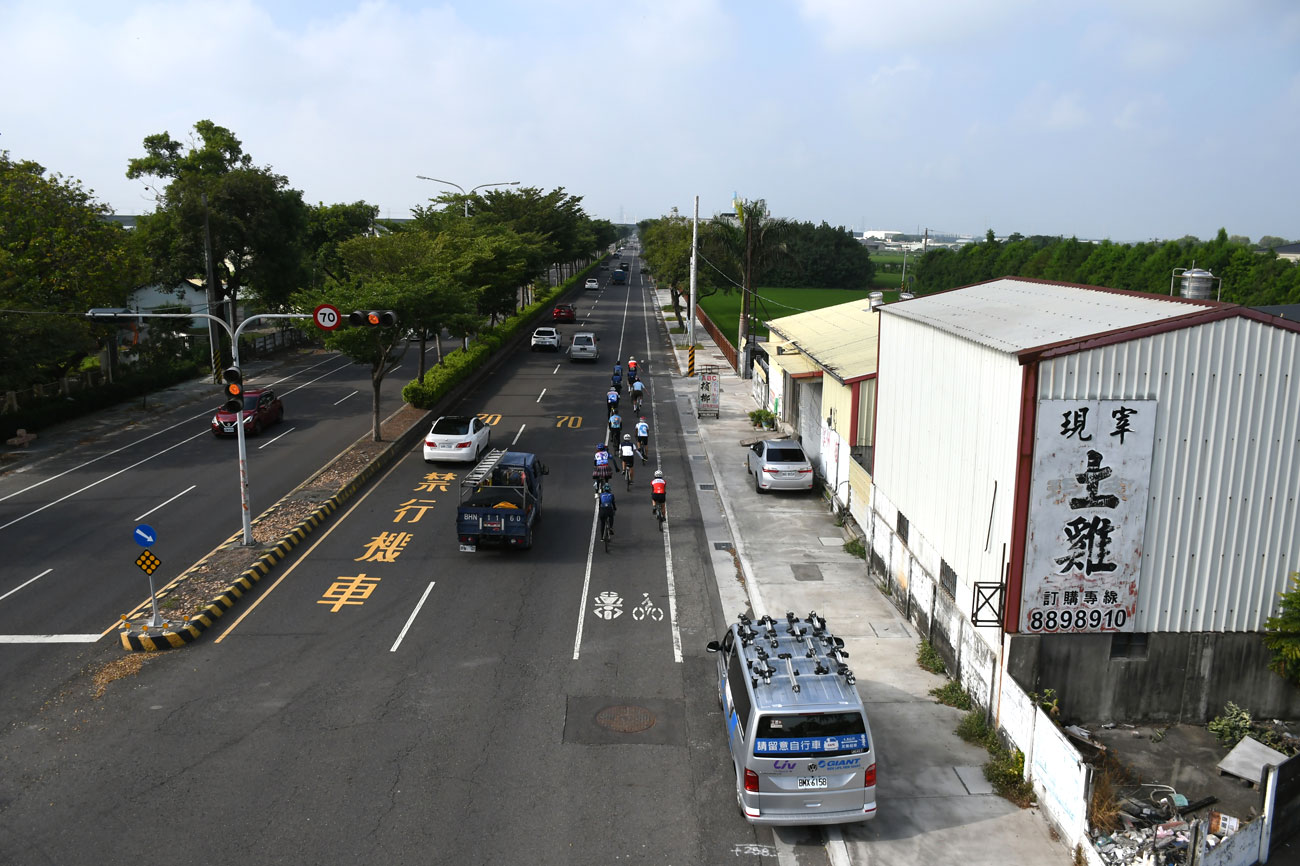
593	283
546	338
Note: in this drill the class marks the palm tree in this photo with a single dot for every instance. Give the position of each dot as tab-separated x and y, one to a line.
749	243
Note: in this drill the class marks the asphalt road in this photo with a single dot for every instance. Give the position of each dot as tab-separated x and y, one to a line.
386	698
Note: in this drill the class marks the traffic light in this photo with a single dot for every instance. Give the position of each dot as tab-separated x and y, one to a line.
373	318
234	390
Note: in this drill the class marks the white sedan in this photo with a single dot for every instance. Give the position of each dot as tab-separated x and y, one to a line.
593	283
457	438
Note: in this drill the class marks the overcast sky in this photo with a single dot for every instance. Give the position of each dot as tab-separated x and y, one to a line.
1129	119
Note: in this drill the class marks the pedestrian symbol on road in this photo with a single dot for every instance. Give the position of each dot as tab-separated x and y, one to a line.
609	605
647	610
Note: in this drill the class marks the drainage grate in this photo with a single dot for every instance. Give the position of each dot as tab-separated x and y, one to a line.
699	457
722	545
708	487
625	719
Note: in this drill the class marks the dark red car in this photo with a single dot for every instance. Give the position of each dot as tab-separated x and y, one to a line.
261	409
564	313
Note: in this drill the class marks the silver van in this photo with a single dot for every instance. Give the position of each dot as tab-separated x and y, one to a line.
583	347
798	733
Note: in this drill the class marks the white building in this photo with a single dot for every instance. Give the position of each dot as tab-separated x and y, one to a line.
1092	491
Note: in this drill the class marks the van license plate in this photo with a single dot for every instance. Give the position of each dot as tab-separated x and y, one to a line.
812	783
468	548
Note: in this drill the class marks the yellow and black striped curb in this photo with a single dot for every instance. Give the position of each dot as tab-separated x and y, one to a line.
140	638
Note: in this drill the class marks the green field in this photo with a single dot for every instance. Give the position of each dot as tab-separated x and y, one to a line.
724	310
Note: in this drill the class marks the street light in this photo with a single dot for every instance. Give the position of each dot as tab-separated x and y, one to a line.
472	191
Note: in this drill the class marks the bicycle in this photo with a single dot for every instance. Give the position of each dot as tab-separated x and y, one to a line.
606	531
636	402
629	469
661	514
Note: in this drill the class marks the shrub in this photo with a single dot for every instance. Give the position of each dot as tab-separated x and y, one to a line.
1232	726
855	547
951	694
1005	770
973	729
928	658
1282	633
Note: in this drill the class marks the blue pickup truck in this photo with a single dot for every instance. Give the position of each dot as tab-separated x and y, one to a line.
500	501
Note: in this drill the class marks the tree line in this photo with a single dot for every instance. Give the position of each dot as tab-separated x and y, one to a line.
225	222
1252	275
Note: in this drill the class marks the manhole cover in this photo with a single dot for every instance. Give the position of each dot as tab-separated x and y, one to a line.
626	719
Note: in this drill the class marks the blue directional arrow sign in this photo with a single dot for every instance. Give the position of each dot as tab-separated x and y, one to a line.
145	535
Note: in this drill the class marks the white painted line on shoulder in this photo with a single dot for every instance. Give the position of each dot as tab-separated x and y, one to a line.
540	396
428	589
168	502
21	585
586	582
517	435
353	394
276	439
49	638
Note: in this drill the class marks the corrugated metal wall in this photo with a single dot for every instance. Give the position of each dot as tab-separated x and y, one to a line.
1223	522
946	440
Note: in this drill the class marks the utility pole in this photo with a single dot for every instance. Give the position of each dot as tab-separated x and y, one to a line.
695	229
747	226
211	277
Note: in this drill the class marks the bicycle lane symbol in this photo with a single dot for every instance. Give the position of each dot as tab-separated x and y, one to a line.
647	609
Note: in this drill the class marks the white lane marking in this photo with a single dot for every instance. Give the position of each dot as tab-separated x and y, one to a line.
668	548
204	414
102	480
512	441
353	394
21	585
49	638
836	848
540	396
556	370
414	614
168	502
586	581
276	439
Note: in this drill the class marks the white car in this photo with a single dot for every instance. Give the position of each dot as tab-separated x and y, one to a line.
593	283
546	338
779	464
457	438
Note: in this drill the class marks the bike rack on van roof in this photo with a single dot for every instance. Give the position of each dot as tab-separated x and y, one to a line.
808	638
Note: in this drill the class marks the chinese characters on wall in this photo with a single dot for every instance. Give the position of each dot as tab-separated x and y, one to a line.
1087	515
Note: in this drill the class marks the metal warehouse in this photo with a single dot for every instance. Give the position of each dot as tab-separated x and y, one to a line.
1091	490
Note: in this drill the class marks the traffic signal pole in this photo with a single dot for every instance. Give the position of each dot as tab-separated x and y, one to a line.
120	314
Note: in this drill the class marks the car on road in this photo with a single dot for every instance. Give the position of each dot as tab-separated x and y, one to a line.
546	338
592	283
779	464
261	409
564	313
457	438
583	347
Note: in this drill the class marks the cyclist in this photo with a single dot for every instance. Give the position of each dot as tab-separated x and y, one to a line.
615	426
643	437
638	391
611	402
627	453
616	379
633	372
607	507
659	493
604	470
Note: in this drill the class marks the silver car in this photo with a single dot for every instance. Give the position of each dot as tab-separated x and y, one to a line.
779	464
583	347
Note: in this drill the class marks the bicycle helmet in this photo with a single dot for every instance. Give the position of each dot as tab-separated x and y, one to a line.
659	473
627	437
602	447
605	489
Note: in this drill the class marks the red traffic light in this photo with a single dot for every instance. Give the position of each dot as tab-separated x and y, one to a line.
234	389
373	318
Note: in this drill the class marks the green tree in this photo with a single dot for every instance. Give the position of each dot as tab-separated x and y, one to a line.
327	227
59	256
1282	633
257	223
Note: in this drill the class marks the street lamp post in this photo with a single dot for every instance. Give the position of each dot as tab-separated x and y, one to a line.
472	191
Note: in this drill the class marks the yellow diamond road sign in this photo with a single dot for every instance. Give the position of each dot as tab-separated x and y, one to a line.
148	562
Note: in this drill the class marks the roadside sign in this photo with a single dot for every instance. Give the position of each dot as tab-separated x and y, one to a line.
327	317
144	535
148	564
708	401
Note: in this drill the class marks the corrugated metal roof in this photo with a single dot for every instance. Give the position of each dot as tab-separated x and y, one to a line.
1013	315
842	339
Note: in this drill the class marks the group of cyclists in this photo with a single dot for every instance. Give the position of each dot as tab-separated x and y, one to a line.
628	449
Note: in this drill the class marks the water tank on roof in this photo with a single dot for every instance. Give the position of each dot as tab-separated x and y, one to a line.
1198	284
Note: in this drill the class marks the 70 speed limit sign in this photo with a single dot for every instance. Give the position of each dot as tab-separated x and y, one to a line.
326	317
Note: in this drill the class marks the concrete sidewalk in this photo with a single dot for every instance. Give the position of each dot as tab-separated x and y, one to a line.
935	805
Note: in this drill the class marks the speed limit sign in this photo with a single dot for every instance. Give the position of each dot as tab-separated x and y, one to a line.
326	317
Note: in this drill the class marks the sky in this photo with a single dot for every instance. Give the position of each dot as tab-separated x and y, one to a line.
1120	119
